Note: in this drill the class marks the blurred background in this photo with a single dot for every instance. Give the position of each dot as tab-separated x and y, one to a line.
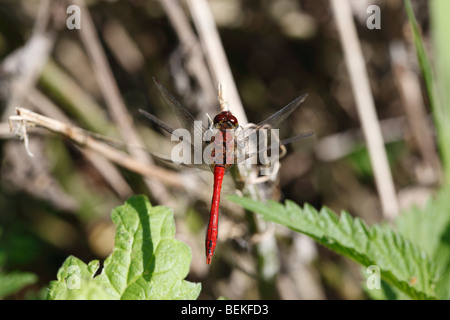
58	203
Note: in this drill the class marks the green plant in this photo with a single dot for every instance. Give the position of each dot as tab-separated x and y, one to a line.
429	229
146	262
436	76
413	260
13	282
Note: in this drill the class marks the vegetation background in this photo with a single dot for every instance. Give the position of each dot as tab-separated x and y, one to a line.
59	202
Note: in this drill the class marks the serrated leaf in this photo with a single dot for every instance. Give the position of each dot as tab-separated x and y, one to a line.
402	264
146	262
429	228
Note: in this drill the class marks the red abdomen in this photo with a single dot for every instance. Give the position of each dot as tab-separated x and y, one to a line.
213	225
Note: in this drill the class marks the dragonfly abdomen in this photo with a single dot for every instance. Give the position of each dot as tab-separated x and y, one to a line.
213	225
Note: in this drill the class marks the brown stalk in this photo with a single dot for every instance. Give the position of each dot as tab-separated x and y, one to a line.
28	118
115	102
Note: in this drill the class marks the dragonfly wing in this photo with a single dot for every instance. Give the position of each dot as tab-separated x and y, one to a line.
284	142
169	161
297	137
168	129
185	118
275	120
157	121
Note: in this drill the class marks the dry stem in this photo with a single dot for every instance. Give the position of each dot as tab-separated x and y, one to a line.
26	118
366	107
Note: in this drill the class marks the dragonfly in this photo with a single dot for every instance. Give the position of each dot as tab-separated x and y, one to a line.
226	146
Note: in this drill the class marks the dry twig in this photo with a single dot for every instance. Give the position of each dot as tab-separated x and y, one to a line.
215	55
366	107
103	166
191	49
27	118
114	100
412	101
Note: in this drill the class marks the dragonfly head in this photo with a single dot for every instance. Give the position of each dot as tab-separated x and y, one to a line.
225	120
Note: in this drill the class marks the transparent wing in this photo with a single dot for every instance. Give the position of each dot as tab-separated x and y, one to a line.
300	136
158	122
284	142
185	118
278	117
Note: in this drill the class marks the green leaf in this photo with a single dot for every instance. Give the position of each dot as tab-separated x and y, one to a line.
429	228
13	282
401	263
75	281
146	262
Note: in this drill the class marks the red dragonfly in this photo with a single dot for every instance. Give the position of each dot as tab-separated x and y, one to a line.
226	140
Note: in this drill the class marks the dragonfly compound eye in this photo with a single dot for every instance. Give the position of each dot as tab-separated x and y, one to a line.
225	117
233	120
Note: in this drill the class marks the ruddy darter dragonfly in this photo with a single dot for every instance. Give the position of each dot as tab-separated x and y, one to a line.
223	147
